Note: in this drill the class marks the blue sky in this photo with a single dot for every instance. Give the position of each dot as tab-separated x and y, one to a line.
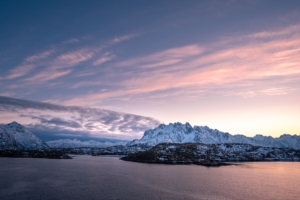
230	65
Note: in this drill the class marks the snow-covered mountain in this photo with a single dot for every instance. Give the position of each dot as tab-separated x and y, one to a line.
68	143
185	133
14	136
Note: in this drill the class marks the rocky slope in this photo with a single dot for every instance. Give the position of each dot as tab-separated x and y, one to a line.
185	133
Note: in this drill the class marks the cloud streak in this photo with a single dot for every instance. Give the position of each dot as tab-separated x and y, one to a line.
94	122
60	60
29	64
124	38
105	58
248	66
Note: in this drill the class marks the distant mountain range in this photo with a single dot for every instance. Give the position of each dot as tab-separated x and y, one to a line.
75	143
185	133
14	136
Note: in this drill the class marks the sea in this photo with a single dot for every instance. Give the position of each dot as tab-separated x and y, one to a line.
105	177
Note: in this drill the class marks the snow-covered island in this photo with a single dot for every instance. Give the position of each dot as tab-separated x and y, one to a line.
212	154
183	144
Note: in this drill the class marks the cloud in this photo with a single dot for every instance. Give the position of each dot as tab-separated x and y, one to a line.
247	66
95	122
28	64
48	133
73	58
124	38
55	121
287	31
56	60
47	75
49	65
39	56
106	57
163	58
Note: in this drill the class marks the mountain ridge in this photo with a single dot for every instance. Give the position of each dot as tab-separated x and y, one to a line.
185	133
15	136
75	143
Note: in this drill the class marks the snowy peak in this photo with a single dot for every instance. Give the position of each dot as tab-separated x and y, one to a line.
185	133
13	127
14	124
14	136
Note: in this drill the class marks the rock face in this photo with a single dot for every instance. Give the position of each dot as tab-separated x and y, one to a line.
185	133
68	143
14	136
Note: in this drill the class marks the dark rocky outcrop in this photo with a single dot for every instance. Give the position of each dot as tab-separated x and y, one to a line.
211	154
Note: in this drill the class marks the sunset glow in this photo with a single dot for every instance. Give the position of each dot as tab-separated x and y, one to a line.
232	66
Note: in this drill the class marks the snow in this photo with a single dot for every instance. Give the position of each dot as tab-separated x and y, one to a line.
14	136
185	133
75	143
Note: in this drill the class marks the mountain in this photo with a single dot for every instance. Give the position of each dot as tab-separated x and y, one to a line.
14	136
75	143
185	133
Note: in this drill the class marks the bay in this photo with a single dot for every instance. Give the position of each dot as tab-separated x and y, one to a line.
88	177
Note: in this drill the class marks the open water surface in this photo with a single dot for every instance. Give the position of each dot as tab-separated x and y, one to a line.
87	177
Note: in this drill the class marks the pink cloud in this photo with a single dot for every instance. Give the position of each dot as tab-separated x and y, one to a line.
39	56
275	33
69	59
124	38
106	57
253	93
275	62
53	69
73	58
20	71
28	64
47	75
164	56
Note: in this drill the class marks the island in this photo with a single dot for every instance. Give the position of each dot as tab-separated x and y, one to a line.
211	154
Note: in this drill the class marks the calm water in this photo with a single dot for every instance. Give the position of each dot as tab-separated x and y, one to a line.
87	177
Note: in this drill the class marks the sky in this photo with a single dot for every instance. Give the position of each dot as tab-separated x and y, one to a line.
109	70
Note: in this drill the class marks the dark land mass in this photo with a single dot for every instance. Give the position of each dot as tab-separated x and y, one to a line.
211	154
